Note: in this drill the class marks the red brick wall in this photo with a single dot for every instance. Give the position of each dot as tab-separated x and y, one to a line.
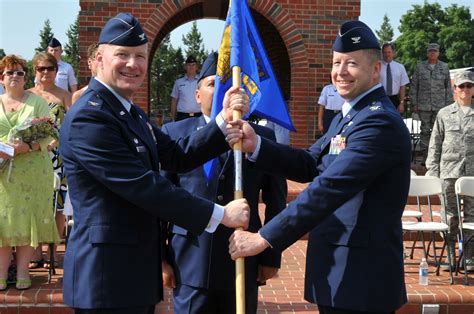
306	27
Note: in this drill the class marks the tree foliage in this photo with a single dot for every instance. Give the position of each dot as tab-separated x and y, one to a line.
194	45
45	35
429	23
385	34
71	49
457	37
166	67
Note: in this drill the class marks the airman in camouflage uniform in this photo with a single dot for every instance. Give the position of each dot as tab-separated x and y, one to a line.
430	91
451	153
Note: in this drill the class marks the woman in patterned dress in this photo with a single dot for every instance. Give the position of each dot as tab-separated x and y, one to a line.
26	188
59	100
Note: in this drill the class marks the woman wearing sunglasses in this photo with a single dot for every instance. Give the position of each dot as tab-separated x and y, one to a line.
26	191
59	100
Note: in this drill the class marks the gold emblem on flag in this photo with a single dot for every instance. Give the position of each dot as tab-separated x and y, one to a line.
223	63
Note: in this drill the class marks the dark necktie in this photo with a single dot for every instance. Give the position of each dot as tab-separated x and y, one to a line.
389	80
136	116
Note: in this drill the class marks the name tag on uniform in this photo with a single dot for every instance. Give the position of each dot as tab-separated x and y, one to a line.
338	144
141	149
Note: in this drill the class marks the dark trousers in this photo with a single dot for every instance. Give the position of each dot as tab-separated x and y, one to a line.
395	100
327	119
185	115
134	310
190	300
323	309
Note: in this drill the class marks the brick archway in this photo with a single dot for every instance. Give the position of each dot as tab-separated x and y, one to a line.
297	36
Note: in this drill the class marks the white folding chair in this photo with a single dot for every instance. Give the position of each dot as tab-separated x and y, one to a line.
424	187
464	186
417	214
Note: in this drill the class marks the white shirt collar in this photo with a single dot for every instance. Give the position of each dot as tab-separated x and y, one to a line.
354	101
126	103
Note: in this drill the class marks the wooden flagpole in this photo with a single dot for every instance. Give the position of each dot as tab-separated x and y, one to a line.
238	193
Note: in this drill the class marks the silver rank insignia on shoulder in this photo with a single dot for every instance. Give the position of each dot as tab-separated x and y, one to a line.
375	107
93	103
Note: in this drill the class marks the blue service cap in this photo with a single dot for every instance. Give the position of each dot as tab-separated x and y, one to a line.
209	66
53	43
355	35
190	59
123	30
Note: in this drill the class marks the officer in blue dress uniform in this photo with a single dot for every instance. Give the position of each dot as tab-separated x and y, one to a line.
204	271
113	157
359	175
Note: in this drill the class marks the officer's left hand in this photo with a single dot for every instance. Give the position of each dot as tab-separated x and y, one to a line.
235	99
243	243
265	273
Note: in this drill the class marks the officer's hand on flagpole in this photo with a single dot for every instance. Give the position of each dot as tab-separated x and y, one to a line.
236	214
242	130
169	280
235	99
243	243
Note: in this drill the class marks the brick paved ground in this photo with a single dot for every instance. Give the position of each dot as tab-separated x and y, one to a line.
281	295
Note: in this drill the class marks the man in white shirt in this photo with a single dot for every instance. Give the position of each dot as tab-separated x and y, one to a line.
330	104
393	77
183	102
65	77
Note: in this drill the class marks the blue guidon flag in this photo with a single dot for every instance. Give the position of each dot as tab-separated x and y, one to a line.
241	46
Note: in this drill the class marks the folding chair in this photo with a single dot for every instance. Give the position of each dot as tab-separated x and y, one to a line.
417	214
464	186
424	187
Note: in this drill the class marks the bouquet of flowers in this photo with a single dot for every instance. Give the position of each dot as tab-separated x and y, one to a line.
34	129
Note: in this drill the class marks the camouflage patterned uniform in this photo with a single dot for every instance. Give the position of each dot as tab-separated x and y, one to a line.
450	156
430	90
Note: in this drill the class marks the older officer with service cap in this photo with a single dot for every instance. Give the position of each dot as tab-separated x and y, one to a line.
359	173
430	91
113	158
205	273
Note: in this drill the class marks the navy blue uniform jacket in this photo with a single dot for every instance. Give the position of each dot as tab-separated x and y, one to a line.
203	261
113	161
353	207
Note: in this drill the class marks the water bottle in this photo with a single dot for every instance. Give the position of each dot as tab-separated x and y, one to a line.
423	274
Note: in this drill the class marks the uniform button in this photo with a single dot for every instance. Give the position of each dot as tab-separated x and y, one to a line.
222	177
220	197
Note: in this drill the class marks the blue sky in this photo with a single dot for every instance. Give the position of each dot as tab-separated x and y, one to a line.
22	20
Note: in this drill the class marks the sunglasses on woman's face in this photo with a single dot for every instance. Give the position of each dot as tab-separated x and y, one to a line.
49	69
17	73
465	86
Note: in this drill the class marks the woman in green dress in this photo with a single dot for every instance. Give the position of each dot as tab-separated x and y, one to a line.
26	188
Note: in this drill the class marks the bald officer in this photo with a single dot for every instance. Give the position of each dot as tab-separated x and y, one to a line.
113	156
359	173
